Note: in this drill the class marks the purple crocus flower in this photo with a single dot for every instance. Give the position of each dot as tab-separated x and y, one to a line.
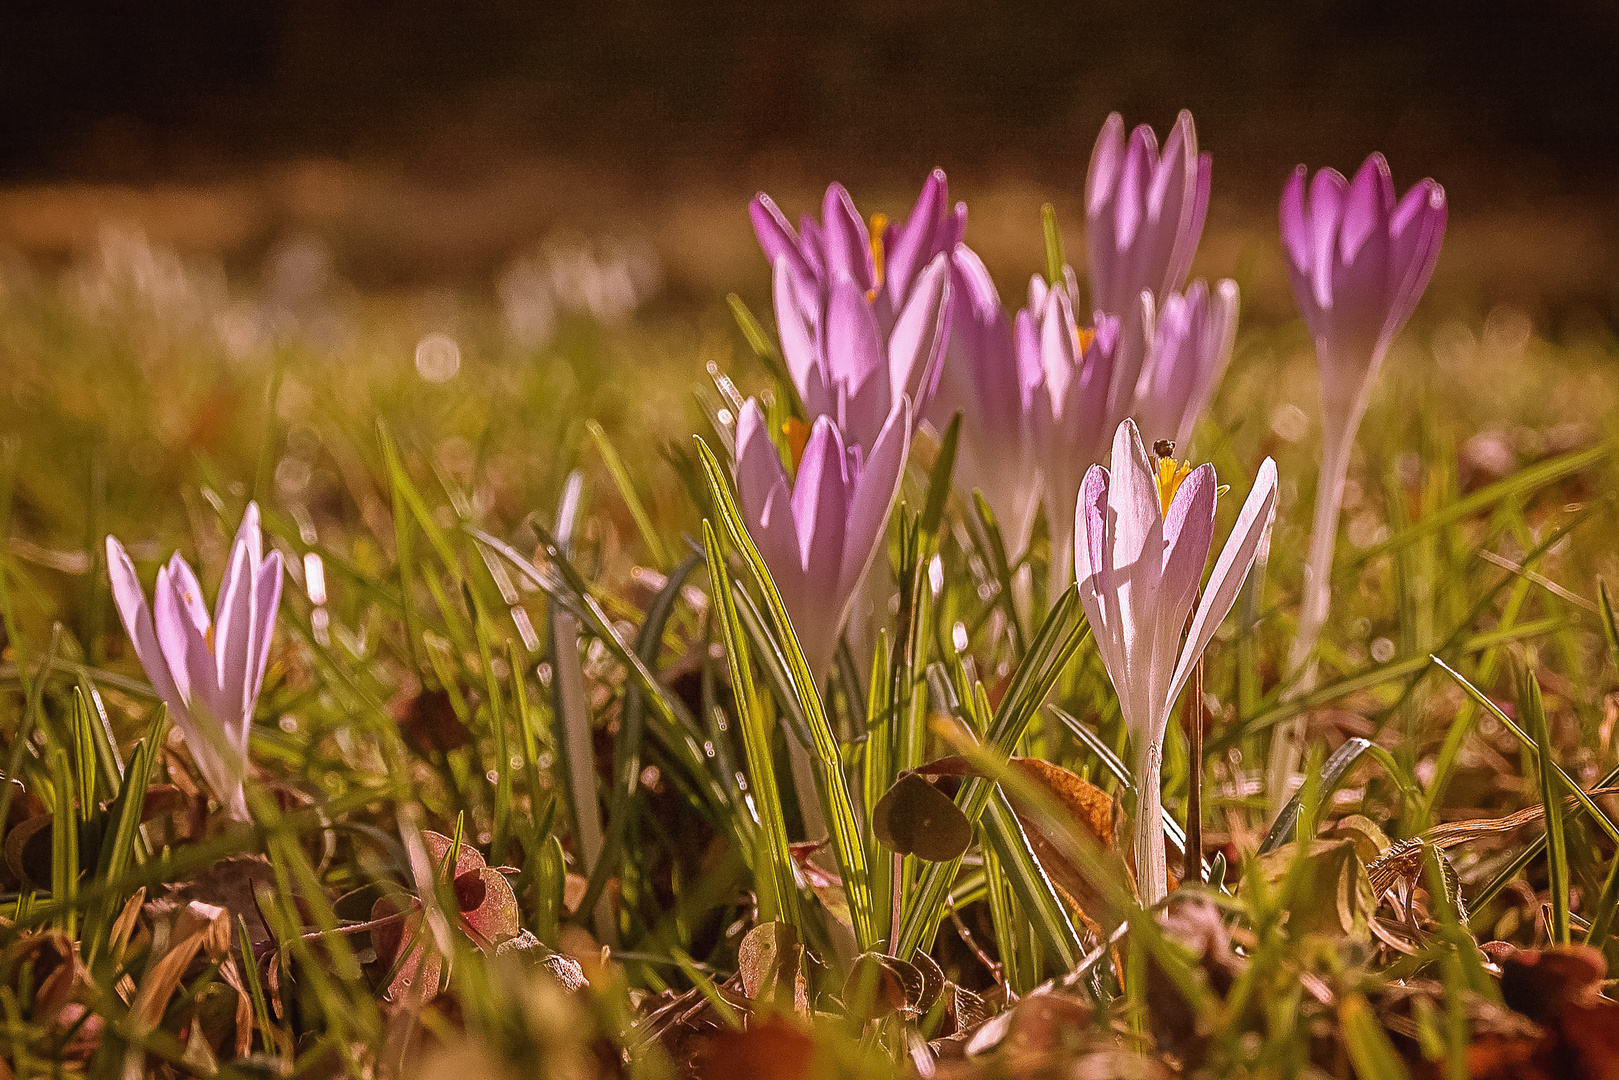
1186	344
209	674
1070	415
818	531
863	322
887	261
843	362
1144	211
996	387
1359	260
1144	532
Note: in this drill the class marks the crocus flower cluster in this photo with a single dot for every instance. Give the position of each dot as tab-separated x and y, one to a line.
1037	414
818	530
208	673
1145	529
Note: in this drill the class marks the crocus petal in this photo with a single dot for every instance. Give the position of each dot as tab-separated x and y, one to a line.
856	361
1188	533
820	504
847	243
872	498
776	537
794	327
1249	538
758	464
1327	191
1135	562
234	623
185	642
776	237
918	239
917	344
188	592
137	620
1417	227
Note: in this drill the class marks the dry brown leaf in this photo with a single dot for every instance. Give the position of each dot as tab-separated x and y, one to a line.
124	926
198	927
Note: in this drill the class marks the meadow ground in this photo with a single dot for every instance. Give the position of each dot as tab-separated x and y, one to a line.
394	372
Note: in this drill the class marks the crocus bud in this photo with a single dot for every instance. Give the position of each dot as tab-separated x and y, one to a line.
1143	211
1359	261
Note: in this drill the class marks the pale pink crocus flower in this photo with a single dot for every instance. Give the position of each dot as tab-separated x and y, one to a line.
1144	529
208	672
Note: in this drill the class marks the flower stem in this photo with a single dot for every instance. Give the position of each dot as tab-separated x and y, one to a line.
1151	866
1287	748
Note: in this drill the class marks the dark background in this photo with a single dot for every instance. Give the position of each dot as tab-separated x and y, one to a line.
1511	96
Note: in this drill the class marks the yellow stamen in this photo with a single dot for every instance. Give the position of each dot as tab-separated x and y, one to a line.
879	225
1083	336
797	433
1171	474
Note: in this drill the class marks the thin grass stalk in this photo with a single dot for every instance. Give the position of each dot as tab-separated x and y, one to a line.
1556	843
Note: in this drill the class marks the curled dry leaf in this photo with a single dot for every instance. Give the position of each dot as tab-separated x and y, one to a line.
878	985
770	962
916	818
1090	811
198	927
487	909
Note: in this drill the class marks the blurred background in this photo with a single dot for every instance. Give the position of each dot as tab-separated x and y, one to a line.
431	142
233	236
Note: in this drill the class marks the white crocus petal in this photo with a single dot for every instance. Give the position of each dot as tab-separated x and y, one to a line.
1248	541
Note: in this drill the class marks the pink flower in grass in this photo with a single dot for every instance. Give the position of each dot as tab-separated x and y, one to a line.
1144	530
819	529
208	673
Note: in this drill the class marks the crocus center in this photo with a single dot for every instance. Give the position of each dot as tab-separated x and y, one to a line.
797	434
879	226
1171	474
1083	336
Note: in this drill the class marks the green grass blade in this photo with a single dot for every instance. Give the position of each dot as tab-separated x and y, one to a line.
772	862
994	549
1056	258
939	481
758	339
1520	483
497	727
1368	1046
1042	664
675	729
1543	763
1332	775
828	758
1036	896
570	710
626	491
1556	845
1607	906
1372	678
627	746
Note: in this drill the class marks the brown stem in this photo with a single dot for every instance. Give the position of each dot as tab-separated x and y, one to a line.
966	935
